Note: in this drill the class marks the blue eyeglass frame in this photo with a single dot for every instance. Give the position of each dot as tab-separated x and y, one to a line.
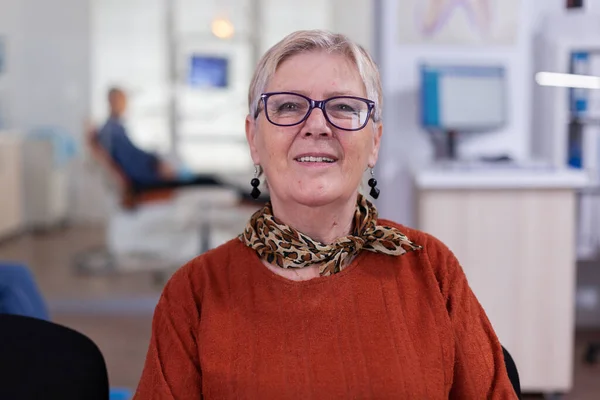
316	104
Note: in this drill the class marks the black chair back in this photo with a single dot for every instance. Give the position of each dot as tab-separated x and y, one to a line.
44	360
513	373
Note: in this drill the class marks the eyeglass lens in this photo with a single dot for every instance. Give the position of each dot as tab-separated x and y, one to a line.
343	112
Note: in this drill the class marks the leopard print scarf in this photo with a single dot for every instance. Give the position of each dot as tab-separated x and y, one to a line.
285	247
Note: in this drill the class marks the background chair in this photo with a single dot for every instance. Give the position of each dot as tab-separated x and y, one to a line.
513	373
158	229
116	179
43	360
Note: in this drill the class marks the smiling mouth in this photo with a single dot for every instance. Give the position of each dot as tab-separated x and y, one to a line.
311	159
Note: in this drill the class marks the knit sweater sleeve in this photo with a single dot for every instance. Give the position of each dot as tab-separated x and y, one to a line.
172	367
479	368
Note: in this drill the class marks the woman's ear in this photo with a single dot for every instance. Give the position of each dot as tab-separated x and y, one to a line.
376	143
251	133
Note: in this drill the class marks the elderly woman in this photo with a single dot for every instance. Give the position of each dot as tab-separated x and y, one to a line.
318	298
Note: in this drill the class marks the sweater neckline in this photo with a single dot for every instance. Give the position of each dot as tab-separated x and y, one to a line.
256	263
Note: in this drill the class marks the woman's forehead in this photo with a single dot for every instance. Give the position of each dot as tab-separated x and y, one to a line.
327	74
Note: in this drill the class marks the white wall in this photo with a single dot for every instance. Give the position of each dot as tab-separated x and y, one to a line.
47	79
406	145
47	61
592	6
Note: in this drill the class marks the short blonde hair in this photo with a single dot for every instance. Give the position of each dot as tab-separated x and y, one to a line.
316	40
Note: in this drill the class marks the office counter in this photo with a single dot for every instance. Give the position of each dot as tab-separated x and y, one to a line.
513	231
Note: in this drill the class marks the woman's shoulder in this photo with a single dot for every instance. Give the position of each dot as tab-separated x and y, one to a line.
421	238
432	250
209	266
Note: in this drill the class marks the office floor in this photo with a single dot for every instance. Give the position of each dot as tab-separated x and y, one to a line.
115	310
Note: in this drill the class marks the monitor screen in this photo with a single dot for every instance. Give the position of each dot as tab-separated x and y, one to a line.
463	98
208	71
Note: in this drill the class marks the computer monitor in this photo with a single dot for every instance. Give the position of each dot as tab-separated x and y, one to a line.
206	71
459	99
463	98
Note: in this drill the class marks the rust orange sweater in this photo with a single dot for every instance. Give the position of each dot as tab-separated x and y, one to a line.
385	327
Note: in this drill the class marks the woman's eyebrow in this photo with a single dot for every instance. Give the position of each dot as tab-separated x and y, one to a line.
327	95
340	93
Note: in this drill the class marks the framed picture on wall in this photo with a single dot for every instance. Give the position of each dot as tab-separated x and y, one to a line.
458	22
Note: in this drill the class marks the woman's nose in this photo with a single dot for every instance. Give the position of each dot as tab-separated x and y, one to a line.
316	124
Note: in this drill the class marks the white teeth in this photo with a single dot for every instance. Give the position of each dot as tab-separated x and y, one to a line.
316	159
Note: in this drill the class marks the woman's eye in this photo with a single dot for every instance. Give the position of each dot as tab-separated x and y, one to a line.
288	106
344	107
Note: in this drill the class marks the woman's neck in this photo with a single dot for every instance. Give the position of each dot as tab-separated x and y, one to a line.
324	224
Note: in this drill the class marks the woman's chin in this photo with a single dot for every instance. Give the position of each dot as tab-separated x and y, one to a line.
316	197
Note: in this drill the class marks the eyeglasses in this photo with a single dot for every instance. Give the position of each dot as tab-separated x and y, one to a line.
348	113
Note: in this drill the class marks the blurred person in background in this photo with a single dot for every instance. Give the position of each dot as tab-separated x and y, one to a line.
19	294
318	297
145	170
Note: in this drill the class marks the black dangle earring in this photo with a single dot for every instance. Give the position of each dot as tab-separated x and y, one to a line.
255	182
373	183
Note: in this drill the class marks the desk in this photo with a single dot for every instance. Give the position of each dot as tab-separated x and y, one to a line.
513	232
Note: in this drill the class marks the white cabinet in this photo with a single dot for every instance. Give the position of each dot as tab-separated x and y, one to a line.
45	186
513	232
11	205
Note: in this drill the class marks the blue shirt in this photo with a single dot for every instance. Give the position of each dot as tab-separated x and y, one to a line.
139	166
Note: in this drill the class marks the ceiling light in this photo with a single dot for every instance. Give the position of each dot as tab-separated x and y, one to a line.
222	28
567	80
